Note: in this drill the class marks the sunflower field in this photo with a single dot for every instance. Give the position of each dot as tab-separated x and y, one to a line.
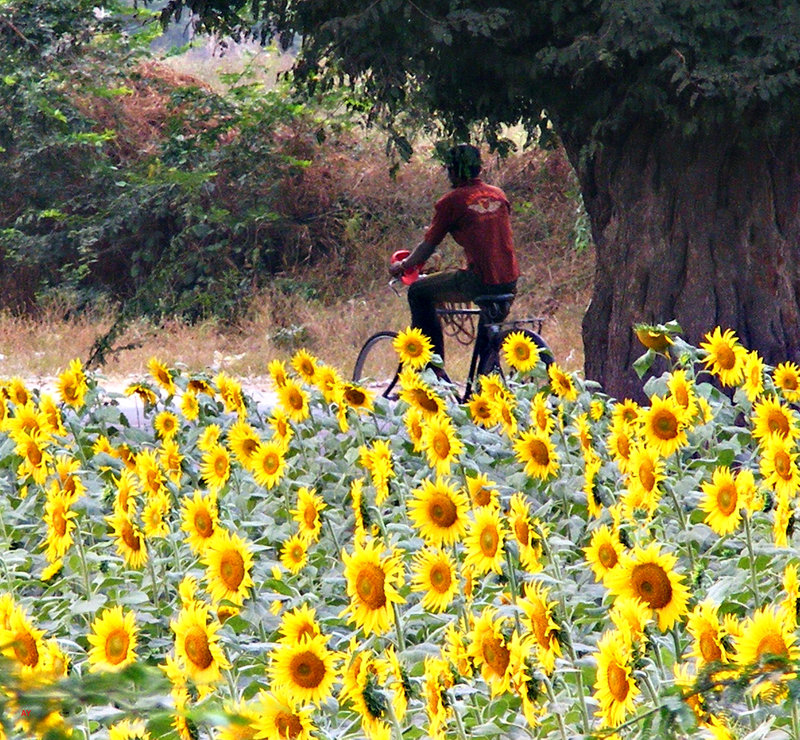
542	561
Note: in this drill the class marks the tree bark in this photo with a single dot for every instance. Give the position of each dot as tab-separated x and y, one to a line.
704	231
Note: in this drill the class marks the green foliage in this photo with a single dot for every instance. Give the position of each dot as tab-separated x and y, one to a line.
589	67
119	182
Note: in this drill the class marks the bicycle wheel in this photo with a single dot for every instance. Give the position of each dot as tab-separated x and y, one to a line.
377	363
493	361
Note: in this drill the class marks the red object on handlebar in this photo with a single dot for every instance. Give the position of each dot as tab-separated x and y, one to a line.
412	273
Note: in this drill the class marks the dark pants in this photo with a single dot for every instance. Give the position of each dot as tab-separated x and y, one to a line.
458	286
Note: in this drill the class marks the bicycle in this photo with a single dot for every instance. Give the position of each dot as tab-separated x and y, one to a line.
377	357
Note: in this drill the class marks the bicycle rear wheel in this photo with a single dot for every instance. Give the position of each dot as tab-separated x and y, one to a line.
493	360
377	363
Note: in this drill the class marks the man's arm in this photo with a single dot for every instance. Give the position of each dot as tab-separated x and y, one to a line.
420	254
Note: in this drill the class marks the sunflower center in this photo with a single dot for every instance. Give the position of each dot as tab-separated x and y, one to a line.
59	522
117	646
441	445
296	400
727	499
709	648
778	423
495	654
310	516
726	357
772	644
307	669
271	463
522	352
355	397
34	454
489	540
783	464
483	496
221	466
665	425
440	578
789	382
288	725
607	555
442	511
197	648
231	569
522	531
539	452
425	402
203	523
296	553
624	447
482	410
369	586
647	476
651	584
306	630
25	649
618	683
681	395
413	349
130	538
540	624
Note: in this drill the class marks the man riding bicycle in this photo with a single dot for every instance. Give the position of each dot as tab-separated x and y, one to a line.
478	217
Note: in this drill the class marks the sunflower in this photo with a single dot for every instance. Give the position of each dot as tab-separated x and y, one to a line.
36	460
520	352
20	640
436	680
269	464
298	624
294	400
767	643
200	520
645	471
725	357
18	392
709	643
377	459
171	460
279	717
490	650
278	373
654	337
434	575
783	518
753	376
541	415
166	424
786	377
190	406
594	504
485	542
631	616
541	624
282	431
154	515
583	432
413	348
215	467
537	452
626	412
561	383
330	383
503	405
413	422
127	729
438	510
304	671
419	395
356	397
682	389
663	425
50	411
230	390
482	491
771	418
308	513
126	491
197	644
519	519
615	688
482	411
60	525
294	553
162	375
649	575
72	385
129	539
149	471
440	443
306	365
143	392
243	442
372	585
604	551
113	640
228	562
779	466
240	723
721	501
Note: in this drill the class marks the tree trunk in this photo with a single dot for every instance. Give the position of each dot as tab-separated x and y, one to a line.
705	231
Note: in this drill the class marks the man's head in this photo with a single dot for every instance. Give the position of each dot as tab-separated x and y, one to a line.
463	162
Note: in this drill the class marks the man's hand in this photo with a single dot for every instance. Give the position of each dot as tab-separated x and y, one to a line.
396	269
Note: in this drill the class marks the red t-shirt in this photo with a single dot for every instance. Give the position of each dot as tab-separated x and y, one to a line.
477	215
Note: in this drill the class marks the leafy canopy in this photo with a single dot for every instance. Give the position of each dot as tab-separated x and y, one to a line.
588	66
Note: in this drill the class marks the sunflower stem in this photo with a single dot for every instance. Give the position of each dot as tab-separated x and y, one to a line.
752	560
514	586
82	557
795	722
648	684
551	695
684	526
401	641
459	726
397	731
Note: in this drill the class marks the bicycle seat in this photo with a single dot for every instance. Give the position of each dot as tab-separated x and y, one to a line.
495	307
